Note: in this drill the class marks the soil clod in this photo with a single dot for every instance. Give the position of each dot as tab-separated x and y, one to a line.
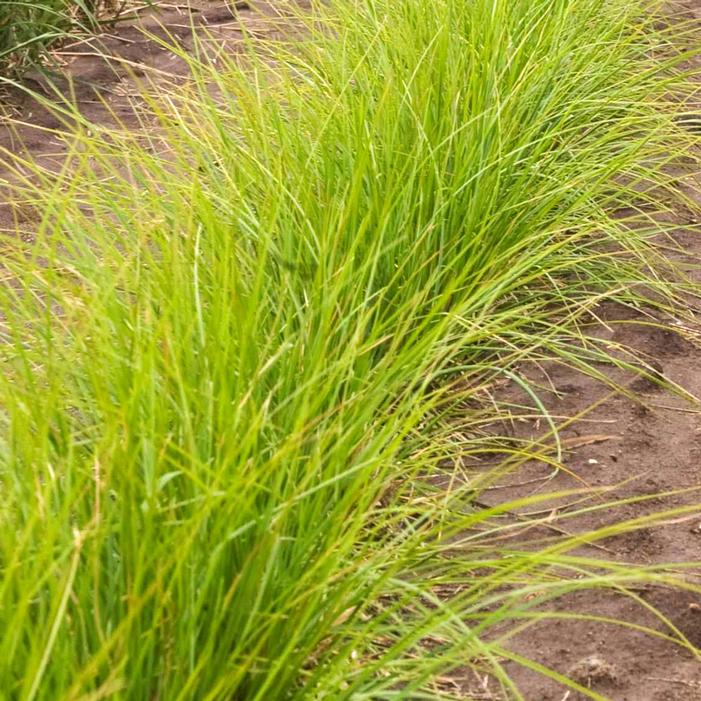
593	670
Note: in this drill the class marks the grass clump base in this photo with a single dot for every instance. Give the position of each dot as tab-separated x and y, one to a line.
235	356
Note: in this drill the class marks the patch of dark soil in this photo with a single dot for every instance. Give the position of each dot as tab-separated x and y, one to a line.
646	451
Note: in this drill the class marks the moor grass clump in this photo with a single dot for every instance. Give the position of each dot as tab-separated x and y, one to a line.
238	349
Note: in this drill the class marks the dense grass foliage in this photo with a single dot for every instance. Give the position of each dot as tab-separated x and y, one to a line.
244	357
29	27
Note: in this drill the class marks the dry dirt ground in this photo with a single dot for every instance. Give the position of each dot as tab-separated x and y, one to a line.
637	447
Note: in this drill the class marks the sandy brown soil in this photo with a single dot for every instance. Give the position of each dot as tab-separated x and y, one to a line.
642	447
638	447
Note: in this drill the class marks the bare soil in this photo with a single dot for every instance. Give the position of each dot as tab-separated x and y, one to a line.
642	446
645	445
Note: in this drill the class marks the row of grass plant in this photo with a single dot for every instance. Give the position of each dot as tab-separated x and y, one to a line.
29	28
246	353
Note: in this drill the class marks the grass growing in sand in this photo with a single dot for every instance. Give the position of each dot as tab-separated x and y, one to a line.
28	28
237	357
